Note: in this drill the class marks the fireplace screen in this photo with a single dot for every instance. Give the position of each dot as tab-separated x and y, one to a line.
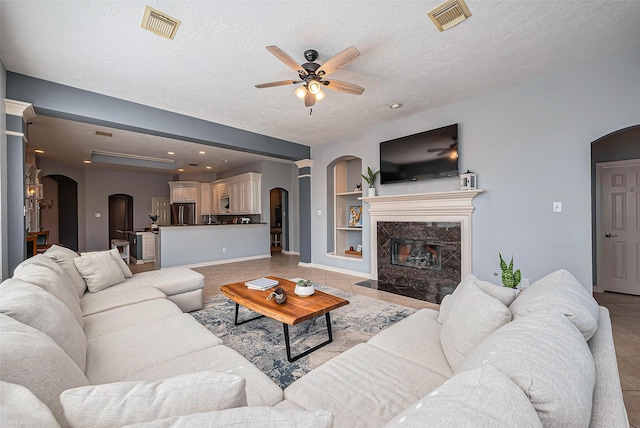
419	254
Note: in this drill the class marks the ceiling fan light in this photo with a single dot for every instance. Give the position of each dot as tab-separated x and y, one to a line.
314	87
300	92
320	95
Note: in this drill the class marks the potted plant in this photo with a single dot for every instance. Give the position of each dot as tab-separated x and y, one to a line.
370	178
154	218
510	278
304	288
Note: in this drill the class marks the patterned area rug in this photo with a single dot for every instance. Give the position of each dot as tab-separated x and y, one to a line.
262	341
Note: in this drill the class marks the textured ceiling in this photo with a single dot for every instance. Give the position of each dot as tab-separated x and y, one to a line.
209	70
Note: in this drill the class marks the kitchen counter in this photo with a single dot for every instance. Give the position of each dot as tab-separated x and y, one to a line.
203	244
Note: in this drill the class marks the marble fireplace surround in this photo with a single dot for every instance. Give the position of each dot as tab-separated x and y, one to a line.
424	207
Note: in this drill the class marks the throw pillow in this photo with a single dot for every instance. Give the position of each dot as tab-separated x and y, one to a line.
504	294
473	316
263	417
122	403
560	291
547	357
482	397
116	256
64	257
99	270
19	407
447	300
31	305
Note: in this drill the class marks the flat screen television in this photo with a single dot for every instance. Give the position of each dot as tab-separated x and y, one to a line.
422	156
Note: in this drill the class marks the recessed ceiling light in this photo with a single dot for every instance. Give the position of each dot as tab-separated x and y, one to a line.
208	167
395	105
201	152
181	169
87	161
226	160
170	153
40	151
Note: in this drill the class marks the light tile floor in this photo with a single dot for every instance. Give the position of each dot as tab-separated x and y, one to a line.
624	309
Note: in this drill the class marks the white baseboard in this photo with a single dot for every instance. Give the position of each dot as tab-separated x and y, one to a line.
291	253
222	262
338	270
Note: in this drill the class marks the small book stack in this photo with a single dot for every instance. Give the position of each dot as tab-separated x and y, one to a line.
261	284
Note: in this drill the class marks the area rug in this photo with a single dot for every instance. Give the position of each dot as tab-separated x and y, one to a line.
262	341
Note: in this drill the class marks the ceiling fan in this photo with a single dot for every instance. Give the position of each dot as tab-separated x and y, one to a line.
312	75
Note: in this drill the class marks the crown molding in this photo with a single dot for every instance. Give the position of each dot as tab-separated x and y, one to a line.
19	108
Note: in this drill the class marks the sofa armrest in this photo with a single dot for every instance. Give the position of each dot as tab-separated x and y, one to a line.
608	406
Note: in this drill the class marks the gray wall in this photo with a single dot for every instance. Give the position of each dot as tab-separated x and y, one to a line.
4	226
530	146
94	187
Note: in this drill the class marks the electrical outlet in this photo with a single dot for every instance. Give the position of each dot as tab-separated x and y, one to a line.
224	249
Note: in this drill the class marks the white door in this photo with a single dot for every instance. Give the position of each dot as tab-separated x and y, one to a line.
162	208
620	228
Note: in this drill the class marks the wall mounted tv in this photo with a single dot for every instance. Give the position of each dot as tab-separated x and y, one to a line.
429	154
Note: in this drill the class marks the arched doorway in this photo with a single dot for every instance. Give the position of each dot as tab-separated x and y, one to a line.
279	219
120	215
59	210
615	166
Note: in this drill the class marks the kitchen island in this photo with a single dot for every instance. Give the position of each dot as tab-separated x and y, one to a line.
205	244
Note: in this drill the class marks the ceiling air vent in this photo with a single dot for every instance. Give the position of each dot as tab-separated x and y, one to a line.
159	23
449	14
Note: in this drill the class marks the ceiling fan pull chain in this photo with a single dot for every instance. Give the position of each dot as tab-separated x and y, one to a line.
310	111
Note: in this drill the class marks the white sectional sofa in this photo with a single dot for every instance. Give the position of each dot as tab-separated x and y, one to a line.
56	336
128	355
487	359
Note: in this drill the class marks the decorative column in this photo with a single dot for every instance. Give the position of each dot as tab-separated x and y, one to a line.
17	115
304	212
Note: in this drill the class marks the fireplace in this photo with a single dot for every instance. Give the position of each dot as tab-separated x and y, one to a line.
421	243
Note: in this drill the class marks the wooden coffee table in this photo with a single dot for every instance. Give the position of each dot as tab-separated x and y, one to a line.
294	311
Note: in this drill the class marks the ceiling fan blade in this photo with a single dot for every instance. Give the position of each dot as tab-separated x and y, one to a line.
279	83
309	99
286	59
347	88
338	61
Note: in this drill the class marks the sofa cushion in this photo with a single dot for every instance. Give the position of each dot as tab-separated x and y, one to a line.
32	359
473	315
44	272
113	357
123	403
100	270
126	316
31	305
562	292
547	357
64	257
116	297
19	407
261	391
170	281
363	386
417	339
263	417
482	397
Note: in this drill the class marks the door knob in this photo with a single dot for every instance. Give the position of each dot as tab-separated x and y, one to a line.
608	235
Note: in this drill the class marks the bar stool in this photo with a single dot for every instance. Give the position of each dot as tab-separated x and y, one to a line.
115	243
275	239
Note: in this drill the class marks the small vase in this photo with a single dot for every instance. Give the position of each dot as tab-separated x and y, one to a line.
371	192
304	291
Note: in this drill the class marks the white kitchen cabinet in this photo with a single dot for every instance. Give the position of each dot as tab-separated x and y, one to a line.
241	194
148	246
184	191
205	199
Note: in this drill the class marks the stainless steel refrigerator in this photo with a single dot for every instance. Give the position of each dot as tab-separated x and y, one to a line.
182	214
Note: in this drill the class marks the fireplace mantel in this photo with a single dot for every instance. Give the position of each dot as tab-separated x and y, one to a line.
424	207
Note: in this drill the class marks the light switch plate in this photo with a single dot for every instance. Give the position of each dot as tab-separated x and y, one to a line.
557	207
